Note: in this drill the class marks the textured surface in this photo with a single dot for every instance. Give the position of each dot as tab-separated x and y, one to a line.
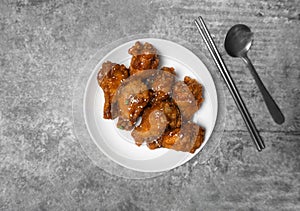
43	44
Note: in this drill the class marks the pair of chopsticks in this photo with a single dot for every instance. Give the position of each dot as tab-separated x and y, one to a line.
259	143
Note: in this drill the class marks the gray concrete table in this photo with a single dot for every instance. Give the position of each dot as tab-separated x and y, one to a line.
43	44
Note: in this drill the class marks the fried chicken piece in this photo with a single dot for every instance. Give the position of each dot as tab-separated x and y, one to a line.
184	99
195	88
159	117
163	82
188	96
153	125
144	57
129	102
109	77
188	138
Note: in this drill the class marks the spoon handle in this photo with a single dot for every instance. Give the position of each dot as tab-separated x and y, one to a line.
272	106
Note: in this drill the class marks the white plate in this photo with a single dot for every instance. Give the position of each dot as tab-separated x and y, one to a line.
119	145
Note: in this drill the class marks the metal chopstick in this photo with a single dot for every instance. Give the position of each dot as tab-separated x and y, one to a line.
259	143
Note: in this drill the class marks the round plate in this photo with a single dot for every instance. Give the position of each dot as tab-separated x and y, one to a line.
118	145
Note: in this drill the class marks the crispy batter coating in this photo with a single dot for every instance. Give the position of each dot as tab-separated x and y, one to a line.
153	125
109	77
159	117
188	96
184	99
144	57
163	82
188	138
195	88
129	102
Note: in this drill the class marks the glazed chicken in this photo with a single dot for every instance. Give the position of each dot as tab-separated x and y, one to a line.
144	57
163	82
156	119
164	105
109	79
195	88
153	125
129	102
188	96
188	138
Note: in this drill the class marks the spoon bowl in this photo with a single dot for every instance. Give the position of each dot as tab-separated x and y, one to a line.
237	44
238	40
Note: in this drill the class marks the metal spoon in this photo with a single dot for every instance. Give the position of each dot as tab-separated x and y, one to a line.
237	43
